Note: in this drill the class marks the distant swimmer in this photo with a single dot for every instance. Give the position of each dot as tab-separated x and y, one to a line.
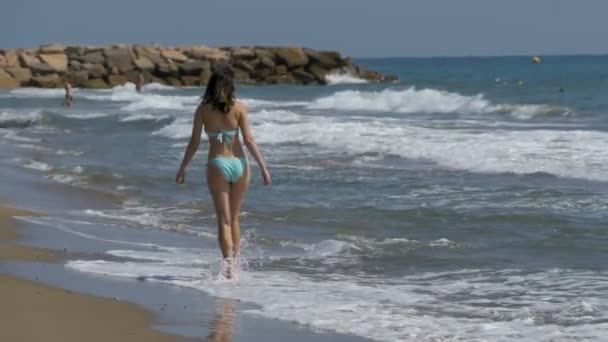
140	83
67	101
562	89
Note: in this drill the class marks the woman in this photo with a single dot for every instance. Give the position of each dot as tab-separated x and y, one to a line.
227	169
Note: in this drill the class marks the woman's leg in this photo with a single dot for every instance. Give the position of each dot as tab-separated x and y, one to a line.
237	194
220	190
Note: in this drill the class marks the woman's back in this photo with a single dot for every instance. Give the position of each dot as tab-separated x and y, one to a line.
222	130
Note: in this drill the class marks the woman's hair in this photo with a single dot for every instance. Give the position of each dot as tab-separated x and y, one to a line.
220	91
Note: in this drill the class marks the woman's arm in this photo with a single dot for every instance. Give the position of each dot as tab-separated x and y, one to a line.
195	139
251	145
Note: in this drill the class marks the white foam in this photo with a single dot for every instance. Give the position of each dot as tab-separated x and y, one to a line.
85	116
572	153
143	117
38	92
12	118
492	305
266	115
427	101
158	86
343	78
151	102
36	165
254	104
178	129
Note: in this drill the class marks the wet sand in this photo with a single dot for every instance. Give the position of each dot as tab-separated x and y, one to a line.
30	311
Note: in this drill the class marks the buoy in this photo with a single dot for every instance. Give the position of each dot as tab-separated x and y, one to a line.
535	59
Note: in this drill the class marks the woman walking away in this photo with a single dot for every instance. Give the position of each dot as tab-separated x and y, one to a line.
223	117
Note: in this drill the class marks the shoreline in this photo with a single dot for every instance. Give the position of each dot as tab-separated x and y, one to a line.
59	314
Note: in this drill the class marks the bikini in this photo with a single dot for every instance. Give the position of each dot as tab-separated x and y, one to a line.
232	168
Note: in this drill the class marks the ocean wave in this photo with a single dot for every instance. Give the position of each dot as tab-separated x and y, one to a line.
467	304
16	119
427	101
39	166
143	117
343	78
254	104
572	153
38	92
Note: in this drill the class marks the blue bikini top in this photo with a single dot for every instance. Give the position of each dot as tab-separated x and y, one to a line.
222	136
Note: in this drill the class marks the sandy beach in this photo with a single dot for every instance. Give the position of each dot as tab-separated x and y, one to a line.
58	314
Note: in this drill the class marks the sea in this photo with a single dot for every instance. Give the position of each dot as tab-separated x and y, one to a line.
466	202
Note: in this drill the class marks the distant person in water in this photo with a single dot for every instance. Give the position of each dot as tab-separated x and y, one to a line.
67	100
140	83
223	117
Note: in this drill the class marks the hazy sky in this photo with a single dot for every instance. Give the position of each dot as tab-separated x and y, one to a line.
362	28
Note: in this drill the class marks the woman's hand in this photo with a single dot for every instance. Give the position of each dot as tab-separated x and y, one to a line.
266	177
181	176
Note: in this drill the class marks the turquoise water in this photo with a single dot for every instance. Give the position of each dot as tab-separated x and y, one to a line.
466	202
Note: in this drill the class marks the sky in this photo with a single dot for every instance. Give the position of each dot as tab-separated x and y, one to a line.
359	28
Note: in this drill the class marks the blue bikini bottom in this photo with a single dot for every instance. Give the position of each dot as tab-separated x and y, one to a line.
232	168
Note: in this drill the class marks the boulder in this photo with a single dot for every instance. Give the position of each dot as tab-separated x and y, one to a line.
303	77
242	65
318	72
74	65
74	51
326	59
48	81
261	73
116	80
265	52
280	79
267	62
93	58
241	76
158	80
121	58
95	83
93	48
370	75
133	76
173	55
391	78
293	57
193	67
94	70
7	81
280	70
28	60
191	81
52	48
42	69
222	66
243	53
203	52
77	78
166	69
153	55
11	59
57	61
172	81
144	64
22	75
3	62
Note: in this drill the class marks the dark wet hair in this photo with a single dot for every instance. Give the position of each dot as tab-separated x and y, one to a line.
220	91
